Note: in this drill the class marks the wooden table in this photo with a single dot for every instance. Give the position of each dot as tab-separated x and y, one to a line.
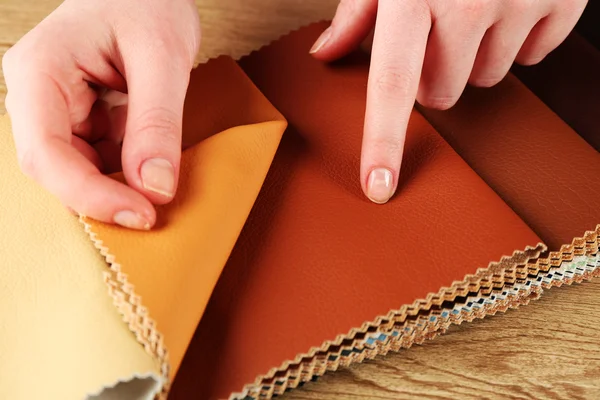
549	349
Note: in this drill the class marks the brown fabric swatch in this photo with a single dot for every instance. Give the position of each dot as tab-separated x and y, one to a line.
542	168
568	81
315	258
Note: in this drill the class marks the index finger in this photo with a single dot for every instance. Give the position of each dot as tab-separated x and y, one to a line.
399	43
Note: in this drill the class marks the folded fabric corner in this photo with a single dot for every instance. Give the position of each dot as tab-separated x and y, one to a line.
161	281
65	297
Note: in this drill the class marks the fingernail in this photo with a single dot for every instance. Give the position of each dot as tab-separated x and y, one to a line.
131	220
321	41
380	185
158	176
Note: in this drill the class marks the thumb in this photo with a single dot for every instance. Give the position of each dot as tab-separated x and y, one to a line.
151	154
353	21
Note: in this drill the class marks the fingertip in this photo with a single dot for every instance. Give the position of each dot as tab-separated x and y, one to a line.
352	22
113	202
158	179
380	185
152	171
132	220
321	43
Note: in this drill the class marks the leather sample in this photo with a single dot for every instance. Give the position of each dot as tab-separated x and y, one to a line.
58	328
298	274
528	155
79	326
571	89
174	267
317	266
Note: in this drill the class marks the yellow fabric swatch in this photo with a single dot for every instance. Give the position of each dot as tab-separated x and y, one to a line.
111	317
60	335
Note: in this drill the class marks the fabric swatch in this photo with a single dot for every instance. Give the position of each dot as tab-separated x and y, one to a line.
58	295
61	336
573	94
270	267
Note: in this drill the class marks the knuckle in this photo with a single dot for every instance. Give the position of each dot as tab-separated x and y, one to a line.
7	59
392	81
27	162
180	45
180	50
530	59
475	9
10	61
520	7
388	147
439	102
160	124
486	81
573	5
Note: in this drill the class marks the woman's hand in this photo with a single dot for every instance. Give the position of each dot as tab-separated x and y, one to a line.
428	50
95	76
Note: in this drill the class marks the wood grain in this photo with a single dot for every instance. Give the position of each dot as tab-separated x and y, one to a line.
229	27
547	350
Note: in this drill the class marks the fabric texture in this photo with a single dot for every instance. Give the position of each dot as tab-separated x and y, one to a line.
270	267
298	275
61	336
576	79
528	155
58	313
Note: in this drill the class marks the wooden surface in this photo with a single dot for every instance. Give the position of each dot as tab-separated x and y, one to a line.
231	27
547	350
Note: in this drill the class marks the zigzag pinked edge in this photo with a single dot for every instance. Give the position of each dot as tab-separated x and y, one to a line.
129	305
425	330
311	364
529	262
319	365
457	287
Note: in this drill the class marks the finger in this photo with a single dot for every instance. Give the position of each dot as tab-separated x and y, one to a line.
451	51
117	111
87	151
550	32
397	58
503	41
497	52
353	21
42	130
157	85
96	125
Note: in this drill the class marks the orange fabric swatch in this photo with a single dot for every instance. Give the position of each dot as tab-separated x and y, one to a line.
173	268
316	258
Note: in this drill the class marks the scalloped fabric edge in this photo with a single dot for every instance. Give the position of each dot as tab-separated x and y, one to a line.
574	263
134	314
527	278
508	283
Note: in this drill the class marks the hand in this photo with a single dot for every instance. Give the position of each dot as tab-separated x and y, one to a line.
99	85
427	50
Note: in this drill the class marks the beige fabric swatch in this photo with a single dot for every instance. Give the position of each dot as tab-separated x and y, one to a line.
60	335
82	326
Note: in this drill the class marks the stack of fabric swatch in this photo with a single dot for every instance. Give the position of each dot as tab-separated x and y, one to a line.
270	267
